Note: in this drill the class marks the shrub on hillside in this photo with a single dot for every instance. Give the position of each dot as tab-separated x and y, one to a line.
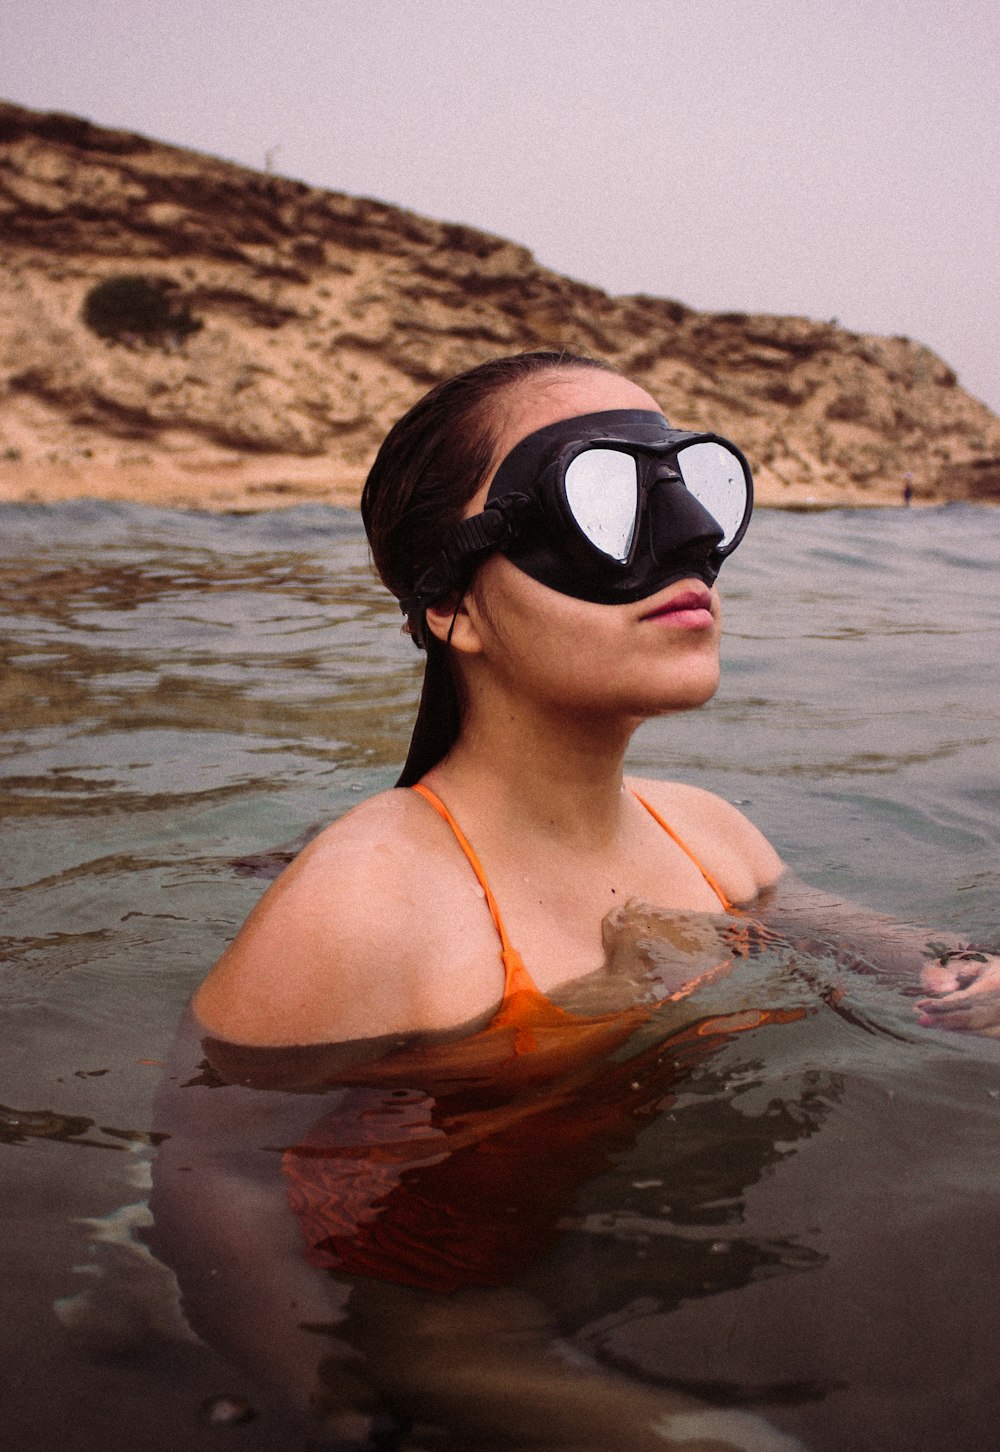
132	308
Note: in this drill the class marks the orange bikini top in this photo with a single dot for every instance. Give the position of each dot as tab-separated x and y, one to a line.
530	1040
517	979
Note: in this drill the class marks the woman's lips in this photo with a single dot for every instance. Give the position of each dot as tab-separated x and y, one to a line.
691	609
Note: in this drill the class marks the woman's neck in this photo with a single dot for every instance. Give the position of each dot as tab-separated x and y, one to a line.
558	778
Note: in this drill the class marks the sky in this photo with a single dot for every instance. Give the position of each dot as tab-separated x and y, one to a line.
829	158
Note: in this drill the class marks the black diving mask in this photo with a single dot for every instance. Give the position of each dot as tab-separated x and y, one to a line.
608	507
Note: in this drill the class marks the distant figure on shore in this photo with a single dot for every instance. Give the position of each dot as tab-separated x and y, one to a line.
907	490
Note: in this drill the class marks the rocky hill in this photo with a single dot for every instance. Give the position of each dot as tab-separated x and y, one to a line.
295	325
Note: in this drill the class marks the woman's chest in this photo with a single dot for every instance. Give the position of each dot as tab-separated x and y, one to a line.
643	929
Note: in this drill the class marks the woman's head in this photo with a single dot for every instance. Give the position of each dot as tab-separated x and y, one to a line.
433	465
428	487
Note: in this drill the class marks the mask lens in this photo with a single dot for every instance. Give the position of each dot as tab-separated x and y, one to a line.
714	475
602	491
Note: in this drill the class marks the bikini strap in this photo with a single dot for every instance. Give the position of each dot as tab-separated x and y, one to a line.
516	975
713	884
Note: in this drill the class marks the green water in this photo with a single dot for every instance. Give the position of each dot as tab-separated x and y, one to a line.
182	691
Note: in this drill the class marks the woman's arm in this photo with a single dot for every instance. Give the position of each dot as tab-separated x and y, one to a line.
845	929
962	984
337	949
963	981
221	1220
309	963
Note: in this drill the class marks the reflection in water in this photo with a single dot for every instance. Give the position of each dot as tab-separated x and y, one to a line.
447	1193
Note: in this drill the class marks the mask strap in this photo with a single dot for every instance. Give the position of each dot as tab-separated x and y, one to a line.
466	544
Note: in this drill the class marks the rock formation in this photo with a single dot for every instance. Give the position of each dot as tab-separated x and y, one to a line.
305	321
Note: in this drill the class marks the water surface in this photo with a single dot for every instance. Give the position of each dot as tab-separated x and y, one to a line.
181	690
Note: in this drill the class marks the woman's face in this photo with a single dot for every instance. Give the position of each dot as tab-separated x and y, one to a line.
656	655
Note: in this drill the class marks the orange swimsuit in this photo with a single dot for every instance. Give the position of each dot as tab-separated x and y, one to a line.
525	1009
529	1039
449	1164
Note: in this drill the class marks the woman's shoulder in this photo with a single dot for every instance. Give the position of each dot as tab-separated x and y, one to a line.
376	846
337	945
380	839
718	834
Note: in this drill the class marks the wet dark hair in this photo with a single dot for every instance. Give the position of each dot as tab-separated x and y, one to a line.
430	465
437	456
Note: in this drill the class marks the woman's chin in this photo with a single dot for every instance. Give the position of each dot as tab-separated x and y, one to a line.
690	702
685	690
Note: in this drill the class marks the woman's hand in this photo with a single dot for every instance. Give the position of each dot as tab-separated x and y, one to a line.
966	990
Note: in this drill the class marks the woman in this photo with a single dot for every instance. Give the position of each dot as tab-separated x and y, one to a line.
516	966
532	692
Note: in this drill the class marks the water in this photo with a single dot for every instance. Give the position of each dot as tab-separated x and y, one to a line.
803	1225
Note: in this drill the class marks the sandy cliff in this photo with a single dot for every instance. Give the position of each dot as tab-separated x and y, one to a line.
318	317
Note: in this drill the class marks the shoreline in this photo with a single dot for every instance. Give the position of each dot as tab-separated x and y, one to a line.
254	485
270	333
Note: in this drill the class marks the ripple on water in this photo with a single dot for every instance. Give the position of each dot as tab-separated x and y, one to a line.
179	693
